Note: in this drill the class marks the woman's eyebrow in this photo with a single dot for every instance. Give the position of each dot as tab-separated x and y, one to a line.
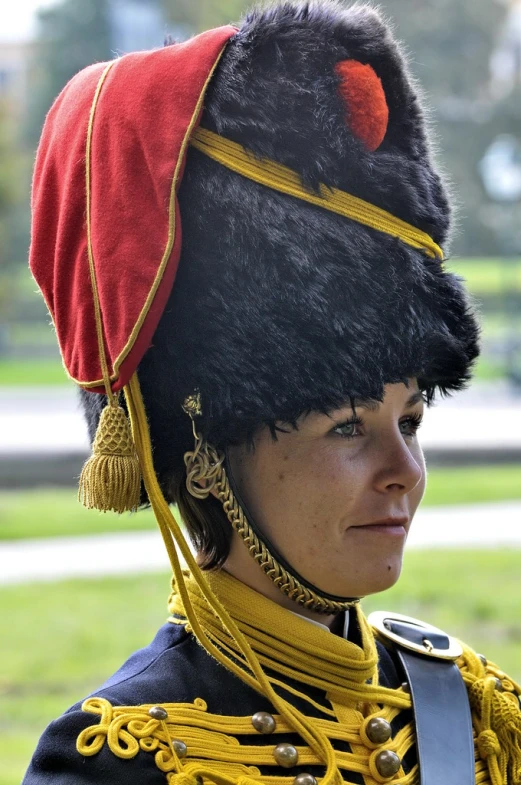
416	397
366	403
373	405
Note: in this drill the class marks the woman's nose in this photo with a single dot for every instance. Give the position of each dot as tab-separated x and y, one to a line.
401	469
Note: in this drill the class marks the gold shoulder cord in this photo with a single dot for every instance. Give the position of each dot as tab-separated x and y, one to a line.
206	465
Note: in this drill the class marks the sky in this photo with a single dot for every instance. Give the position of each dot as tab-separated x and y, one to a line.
17	18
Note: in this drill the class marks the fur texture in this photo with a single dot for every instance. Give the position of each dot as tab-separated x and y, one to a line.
280	307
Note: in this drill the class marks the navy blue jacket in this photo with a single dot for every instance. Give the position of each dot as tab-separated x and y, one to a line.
174	668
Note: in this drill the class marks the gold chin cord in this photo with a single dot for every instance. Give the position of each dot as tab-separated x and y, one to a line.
205	472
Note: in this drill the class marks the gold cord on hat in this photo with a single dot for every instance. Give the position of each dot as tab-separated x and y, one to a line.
205	471
111	477
274	175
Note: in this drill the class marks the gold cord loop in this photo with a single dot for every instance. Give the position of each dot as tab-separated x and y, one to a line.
203	465
204	462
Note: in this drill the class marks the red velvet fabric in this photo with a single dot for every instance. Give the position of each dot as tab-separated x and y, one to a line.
145	106
367	113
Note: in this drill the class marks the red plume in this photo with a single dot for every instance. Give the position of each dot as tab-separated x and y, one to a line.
367	113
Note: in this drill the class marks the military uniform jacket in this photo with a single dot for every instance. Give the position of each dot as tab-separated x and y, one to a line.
173	669
174	714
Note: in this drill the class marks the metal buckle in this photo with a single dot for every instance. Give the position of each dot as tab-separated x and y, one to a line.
378	620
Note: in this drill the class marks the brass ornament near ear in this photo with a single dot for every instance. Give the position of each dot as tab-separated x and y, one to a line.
204	464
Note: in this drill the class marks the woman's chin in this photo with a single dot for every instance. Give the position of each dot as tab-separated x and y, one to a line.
373	579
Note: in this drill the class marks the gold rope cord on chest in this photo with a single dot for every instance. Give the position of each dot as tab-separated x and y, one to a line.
186	740
189	736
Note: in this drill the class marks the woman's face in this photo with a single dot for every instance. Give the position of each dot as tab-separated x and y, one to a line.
337	496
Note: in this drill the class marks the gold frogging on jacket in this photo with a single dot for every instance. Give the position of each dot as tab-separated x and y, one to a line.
299	656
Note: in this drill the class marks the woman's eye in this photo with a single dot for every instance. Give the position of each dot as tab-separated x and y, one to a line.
410	425
349	429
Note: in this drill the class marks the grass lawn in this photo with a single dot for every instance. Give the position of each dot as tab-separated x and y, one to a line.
488	276
45	372
473	485
55	512
49	372
62	640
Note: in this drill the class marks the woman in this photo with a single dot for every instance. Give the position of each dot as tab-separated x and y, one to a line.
280	386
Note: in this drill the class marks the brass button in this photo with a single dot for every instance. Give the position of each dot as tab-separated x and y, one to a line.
378	730
263	722
406	688
158	713
499	686
286	755
388	763
305	779
180	748
483	659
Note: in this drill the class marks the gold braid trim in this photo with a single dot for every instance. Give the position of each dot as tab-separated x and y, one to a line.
280	178
194	747
287	583
191	746
496	717
204	472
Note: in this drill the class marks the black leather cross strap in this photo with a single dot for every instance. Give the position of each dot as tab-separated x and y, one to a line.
441	707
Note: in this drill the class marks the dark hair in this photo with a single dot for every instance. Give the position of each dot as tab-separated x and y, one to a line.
206	524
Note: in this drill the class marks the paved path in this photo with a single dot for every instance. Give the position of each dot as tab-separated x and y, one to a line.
483	525
57	558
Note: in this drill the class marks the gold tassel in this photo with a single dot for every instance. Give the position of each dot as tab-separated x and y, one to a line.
111	478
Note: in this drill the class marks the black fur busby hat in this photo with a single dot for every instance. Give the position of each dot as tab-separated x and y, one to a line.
280	306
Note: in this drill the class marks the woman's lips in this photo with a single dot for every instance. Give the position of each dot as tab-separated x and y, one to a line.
393	527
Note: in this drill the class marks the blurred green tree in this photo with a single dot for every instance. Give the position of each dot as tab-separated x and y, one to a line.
451	44
13	185
70	36
203	14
